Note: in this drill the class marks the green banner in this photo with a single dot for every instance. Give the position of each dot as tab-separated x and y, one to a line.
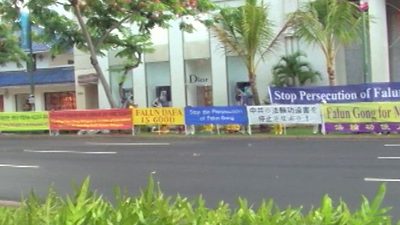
24	121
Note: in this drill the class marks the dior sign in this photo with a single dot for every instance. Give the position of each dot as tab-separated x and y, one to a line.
194	79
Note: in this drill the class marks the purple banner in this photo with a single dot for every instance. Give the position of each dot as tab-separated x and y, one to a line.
361	127
372	92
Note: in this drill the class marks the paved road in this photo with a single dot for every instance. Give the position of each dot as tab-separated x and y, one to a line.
289	170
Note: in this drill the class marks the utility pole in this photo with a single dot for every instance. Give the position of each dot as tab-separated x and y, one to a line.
26	44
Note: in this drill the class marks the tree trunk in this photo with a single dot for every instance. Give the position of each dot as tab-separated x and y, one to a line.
93	56
331	76
254	90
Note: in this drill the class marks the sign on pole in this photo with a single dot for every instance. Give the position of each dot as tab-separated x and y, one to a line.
216	115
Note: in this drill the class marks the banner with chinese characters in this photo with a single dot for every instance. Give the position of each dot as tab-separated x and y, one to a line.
215	115
107	119
284	114
362	117
24	121
362	127
158	116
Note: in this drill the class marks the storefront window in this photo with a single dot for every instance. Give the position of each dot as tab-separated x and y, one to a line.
22	103
121	86
60	100
198	66
158	84
238	86
198	82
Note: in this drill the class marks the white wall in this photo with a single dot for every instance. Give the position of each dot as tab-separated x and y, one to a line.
177	65
379	43
82	67
103	101
139	86
159	38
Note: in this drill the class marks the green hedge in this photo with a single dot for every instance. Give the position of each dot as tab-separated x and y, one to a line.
151	207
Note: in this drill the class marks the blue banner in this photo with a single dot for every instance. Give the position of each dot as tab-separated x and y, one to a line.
216	115
371	92
25	23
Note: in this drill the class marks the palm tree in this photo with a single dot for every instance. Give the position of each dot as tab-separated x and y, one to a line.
247	32
329	24
291	71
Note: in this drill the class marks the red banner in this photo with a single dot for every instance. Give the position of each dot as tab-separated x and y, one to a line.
108	119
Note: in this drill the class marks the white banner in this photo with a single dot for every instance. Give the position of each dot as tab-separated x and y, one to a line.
284	114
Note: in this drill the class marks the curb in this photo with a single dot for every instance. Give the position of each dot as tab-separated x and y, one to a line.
4	203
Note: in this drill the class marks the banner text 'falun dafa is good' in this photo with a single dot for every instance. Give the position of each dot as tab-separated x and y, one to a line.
158	116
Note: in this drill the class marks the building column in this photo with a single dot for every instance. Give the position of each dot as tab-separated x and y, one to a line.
103	101
82	67
219	73
139	86
379	44
177	66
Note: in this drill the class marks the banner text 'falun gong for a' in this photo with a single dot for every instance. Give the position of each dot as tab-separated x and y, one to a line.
158	116
362	117
24	121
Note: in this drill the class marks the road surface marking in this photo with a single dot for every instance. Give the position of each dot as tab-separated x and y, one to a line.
128	144
19	166
381	179
392	145
388	157
69	151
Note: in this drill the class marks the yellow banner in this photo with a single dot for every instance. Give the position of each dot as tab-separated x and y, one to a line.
24	121
367	112
158	116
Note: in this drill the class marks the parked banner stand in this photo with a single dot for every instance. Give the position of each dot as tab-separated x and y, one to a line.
323	130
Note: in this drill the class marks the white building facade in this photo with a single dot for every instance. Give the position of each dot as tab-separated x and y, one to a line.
193	69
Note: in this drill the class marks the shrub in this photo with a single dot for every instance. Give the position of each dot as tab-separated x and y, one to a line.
151	207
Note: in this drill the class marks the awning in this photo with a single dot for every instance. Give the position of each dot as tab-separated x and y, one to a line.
59	75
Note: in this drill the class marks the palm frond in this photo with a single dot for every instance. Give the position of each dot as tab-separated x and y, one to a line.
292	70
328	22
245	31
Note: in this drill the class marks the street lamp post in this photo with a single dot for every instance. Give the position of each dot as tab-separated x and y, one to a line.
26	44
